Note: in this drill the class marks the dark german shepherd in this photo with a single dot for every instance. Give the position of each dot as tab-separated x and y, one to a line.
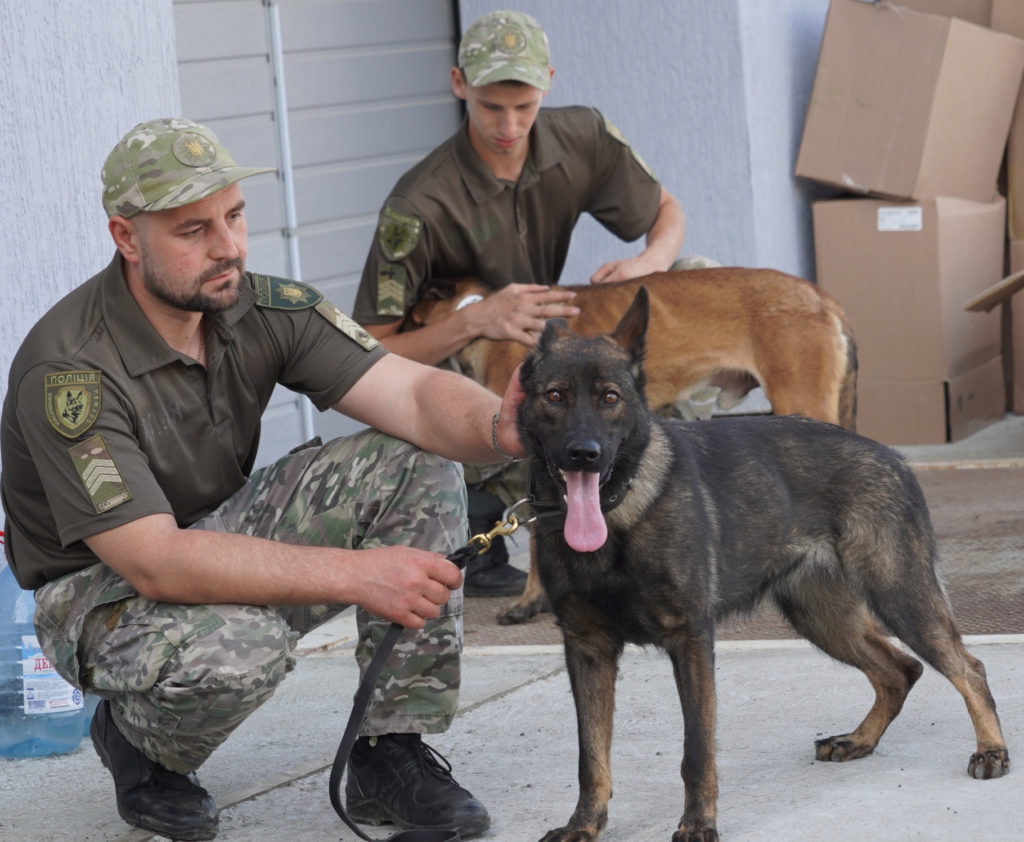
659	528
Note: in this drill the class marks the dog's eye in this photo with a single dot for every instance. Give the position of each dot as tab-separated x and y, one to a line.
554	396
610	398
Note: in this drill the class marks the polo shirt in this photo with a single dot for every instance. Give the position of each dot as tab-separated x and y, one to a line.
451	217
105	423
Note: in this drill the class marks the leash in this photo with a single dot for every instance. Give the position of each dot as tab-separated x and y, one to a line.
477	545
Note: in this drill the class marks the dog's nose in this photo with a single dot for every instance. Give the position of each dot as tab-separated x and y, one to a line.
583	454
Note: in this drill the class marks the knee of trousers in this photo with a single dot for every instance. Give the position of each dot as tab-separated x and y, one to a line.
226	668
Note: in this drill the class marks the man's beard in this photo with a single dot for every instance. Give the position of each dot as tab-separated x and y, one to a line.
194	300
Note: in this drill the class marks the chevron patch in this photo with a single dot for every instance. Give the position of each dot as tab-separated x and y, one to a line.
103	482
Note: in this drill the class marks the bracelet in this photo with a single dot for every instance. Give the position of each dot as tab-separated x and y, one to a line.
504	454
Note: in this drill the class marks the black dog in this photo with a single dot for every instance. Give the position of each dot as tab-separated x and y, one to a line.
661	528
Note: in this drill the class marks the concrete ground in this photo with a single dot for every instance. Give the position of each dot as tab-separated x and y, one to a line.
514	743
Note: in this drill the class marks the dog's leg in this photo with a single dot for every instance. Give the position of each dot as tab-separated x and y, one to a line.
926	624
592	660
834	618
692	655
532	601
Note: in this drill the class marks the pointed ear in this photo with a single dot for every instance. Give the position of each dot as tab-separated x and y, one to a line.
631	332
553	329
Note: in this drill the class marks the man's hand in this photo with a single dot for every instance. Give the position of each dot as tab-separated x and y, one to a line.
519	311
626	269
403	584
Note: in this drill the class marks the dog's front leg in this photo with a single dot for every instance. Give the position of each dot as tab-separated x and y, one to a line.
592	662
693	662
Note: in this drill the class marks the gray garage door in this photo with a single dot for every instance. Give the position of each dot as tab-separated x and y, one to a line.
342	96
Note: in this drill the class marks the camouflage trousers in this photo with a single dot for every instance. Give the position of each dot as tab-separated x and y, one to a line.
181	678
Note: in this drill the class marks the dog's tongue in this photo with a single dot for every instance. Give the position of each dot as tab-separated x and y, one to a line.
585	529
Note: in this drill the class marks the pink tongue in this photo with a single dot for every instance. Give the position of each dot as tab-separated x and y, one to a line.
585	529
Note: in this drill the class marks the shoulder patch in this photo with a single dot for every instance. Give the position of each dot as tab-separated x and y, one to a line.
73	401
614	131
284	294
391	290
352	329
397	233
103	482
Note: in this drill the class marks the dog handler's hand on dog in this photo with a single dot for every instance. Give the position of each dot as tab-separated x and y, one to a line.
516	312
520	311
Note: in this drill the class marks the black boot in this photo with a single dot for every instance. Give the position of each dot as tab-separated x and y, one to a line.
148	795
399	779
490	574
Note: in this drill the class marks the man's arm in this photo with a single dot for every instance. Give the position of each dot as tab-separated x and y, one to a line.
516	312
168	564
436	410
663	242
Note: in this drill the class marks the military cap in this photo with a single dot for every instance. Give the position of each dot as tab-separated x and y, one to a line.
505	45
167	163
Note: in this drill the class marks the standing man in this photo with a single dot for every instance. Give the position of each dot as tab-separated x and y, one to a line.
171	579
499	201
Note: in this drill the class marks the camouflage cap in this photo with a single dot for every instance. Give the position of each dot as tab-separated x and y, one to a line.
505	45
167	163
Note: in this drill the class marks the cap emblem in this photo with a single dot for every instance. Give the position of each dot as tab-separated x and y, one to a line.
193	150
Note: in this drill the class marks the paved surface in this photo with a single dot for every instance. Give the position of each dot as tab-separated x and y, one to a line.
514	742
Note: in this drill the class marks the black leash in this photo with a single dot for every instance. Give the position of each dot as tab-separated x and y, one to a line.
477	545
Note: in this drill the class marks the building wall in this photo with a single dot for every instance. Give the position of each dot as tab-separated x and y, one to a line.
74	77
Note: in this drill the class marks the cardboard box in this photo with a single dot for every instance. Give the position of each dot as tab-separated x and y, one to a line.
976	11
1008	17
1015	364
932	411
903	272
908	104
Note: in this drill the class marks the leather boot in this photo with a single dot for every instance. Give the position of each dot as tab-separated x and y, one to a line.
148	795
398	779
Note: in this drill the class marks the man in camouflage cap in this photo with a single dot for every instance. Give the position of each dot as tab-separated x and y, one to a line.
171	578
499	201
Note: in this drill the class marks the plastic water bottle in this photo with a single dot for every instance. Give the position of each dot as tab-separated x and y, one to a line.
40	713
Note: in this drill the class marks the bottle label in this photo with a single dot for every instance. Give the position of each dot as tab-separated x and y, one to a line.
44	690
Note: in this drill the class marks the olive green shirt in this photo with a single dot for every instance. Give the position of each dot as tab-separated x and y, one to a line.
451	217
105	423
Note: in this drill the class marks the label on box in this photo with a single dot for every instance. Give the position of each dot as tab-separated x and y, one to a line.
900	219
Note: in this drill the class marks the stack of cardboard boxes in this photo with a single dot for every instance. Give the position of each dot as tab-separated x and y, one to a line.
910	114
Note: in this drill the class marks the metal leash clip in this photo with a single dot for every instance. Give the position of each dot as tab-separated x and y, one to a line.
503	527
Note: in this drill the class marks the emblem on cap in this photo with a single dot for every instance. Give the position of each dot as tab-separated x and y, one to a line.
193	149
510	40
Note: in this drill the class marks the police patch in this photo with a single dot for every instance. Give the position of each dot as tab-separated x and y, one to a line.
99	474
391	290
397	234
352	329
283	294
614	131
72	401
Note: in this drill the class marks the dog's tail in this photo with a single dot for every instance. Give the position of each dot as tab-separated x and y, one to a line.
848	388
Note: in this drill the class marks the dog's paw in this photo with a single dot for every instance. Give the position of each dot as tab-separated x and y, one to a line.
709	834
989	764
522	610
840	748
570	834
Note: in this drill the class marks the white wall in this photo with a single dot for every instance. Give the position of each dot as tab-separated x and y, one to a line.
74	77
712	94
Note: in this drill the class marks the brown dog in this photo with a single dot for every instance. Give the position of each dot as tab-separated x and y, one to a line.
728	328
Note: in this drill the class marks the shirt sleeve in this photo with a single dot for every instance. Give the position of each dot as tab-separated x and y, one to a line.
397	265
98	479
626	194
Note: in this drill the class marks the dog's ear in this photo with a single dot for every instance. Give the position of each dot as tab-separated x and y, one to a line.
553	329
631	332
